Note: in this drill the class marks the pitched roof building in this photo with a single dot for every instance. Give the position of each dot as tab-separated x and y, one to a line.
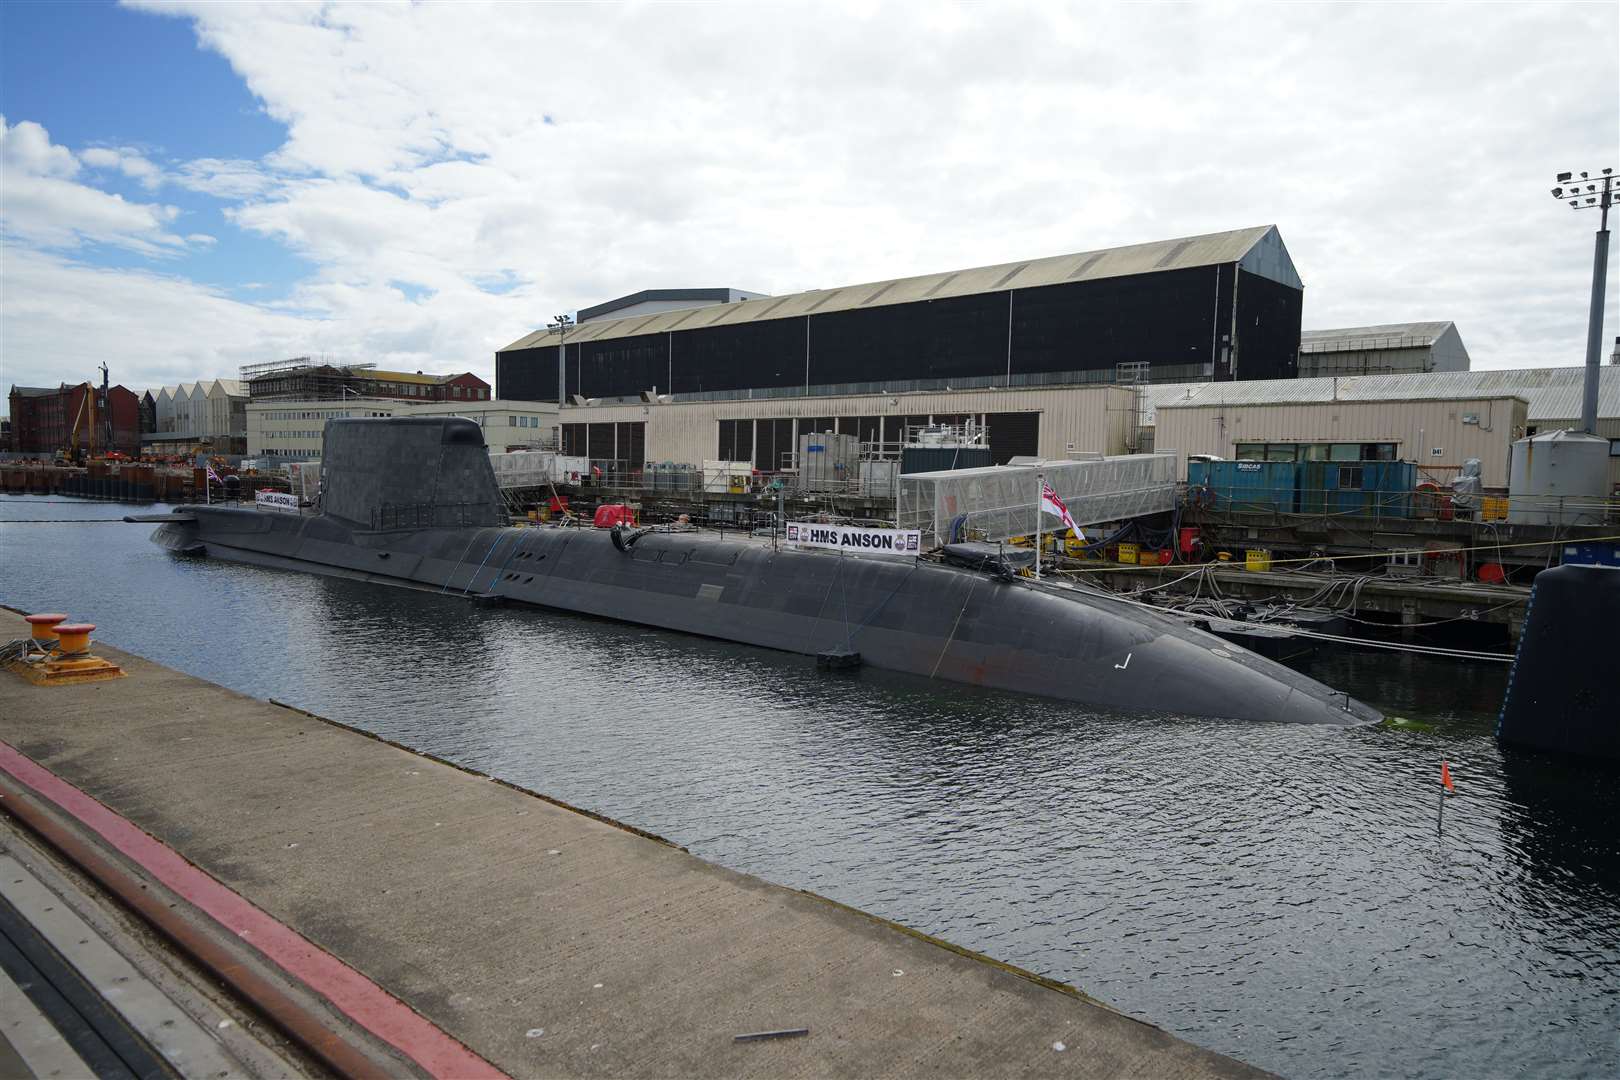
1220	306
1390	349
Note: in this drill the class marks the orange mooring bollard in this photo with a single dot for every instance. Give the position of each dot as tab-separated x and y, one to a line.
42	628
75	638
67	658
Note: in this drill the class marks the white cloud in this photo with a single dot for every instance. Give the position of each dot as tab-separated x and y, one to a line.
42	206
132	163
234	179
574	153
26	149
62	318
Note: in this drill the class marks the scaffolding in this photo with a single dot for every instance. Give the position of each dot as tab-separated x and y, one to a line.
301	378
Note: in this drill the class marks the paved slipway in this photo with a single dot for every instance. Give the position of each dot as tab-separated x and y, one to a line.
542	938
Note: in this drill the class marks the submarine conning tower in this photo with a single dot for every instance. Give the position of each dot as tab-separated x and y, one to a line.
1561	693
409	472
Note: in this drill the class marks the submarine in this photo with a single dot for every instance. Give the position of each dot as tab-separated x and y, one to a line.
413	502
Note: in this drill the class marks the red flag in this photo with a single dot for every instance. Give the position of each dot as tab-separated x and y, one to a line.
1445	776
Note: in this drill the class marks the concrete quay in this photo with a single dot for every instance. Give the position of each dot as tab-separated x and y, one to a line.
414	900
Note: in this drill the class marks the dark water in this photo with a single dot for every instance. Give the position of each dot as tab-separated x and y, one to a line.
1277	893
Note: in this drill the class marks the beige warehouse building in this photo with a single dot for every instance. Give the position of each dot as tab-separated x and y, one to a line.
1049	423
1438	420
1432	425
1439	435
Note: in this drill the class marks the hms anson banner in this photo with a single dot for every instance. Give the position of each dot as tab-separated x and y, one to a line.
851	538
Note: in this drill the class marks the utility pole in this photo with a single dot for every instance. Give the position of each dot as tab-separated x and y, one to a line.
1584	194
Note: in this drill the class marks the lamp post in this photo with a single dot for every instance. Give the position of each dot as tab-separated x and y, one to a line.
561	323
1585	194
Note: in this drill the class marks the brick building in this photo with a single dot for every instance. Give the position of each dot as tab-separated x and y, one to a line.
47	419
300	379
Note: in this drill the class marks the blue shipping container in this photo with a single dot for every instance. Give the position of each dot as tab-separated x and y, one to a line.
1265	486
1592	553
1357	488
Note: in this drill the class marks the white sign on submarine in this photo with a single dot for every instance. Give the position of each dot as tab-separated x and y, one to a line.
849	538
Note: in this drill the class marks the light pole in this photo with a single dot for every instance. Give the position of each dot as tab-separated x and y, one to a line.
1584	194
561	323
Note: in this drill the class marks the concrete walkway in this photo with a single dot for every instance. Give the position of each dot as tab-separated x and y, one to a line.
547	941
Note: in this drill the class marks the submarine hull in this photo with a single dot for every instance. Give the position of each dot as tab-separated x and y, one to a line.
911	615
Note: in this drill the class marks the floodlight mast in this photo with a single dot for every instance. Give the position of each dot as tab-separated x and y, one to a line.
561	323
1585	194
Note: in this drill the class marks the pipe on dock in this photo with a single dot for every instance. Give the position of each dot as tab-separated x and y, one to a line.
284	1010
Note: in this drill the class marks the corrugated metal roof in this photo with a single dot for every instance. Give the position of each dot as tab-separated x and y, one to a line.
1359	339
1414	335
1553	393
1259	249
403	377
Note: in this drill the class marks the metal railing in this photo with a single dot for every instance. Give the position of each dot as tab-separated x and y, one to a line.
1295	506
694	484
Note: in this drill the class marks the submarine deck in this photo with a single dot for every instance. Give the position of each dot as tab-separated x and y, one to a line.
540	937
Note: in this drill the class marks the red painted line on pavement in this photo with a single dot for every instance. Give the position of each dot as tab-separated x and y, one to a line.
362	1000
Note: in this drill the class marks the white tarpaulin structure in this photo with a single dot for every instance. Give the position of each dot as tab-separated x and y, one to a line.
537	468
999	502
306	479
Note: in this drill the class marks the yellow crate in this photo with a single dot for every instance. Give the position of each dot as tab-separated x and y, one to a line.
1494	508
1127	553
1256	559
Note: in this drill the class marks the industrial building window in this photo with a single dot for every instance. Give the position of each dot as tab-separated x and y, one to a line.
1013	435
599	442
736	440
868	429
1350	477
773	445
1614	447
630	443
1255	451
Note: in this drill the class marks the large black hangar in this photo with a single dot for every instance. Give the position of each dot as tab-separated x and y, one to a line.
1218	307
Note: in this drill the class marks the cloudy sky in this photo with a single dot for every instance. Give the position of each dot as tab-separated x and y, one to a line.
188	187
